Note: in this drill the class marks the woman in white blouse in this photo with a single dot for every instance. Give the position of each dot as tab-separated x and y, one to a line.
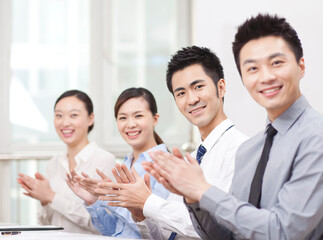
73	121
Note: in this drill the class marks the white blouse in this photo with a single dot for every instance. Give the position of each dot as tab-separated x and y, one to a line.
67	209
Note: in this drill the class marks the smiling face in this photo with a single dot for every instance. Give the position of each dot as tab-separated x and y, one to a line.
198	99
72	121
136	124
271	74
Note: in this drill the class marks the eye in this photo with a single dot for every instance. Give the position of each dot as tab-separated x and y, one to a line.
121	118
58	115
252	69
180	94
197	87
74	115
139	116
277	63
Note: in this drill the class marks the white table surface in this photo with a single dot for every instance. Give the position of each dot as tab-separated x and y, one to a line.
51	235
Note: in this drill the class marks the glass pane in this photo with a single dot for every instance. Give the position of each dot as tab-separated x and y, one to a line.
20	21
53	21
141	48
49	55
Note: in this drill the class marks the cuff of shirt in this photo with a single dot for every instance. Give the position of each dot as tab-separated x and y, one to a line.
95	206
58	203
211	198
152	206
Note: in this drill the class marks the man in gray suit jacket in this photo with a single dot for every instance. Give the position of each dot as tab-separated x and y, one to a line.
277	189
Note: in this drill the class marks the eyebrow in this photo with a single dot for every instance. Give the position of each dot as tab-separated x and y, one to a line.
269	57
136	112
72	110
191	84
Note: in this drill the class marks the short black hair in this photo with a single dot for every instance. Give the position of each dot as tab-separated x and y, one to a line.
81	96
195	55
264	25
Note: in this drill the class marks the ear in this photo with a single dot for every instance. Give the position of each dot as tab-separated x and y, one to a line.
91	119
301	64
221	88
155	119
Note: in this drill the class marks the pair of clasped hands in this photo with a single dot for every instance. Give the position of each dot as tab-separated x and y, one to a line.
130	190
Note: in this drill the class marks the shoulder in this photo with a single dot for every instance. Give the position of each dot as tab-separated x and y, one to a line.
101	153
234	138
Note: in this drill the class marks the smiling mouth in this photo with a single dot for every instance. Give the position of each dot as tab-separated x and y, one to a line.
133	134
67	133
271	90
197	110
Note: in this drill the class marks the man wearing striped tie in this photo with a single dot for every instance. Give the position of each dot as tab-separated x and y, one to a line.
195	79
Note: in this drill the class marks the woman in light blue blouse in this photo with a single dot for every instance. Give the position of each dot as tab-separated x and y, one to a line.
136	115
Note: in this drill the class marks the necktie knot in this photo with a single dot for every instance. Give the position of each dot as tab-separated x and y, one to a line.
271	131
200	153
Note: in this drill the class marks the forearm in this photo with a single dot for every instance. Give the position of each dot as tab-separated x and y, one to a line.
171	215
74	212
247	222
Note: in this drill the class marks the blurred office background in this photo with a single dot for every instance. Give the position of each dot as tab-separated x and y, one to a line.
105	46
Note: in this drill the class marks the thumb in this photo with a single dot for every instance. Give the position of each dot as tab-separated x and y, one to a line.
191	160
177	153
39	176
135	174
147	180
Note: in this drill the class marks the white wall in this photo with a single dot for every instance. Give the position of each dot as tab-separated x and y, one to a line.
214	26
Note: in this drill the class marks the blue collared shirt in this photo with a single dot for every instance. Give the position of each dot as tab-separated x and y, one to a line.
117	221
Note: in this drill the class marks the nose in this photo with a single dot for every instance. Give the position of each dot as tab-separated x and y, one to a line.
131	123
66	121
193	98
267	75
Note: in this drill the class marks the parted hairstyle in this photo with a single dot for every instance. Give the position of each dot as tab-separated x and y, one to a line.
195	55
137	93
264	25
81	96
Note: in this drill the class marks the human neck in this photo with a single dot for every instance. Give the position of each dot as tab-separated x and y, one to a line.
207	129
73	150
137	151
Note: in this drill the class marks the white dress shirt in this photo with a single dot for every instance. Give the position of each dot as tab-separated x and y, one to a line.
67	209
165	216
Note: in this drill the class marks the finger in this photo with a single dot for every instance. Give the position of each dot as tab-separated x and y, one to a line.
106	191
168	186
155	175
128	173
122	174
110	185
148	166
162	159
135	174
40	176
116	175
117	204
85	175
191	160
111	198
73	173
102	175
147	180
27	189
177	153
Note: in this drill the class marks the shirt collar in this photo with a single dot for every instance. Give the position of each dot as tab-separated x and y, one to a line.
216	133
145	155
83	155
287	118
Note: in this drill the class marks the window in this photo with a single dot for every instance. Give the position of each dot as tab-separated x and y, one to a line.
100	47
